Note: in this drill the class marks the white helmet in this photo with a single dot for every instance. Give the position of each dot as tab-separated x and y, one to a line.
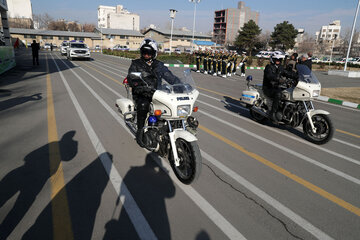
149	46
276	56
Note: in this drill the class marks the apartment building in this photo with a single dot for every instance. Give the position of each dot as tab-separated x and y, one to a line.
117	18
228	22
328	33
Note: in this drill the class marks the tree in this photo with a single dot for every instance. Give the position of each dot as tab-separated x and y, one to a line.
73	27
283	36
88	27
57	26
307	44
248	36
263	40
43	20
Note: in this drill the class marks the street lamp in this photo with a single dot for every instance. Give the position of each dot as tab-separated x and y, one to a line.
352	33
101	45
332	48
172	16
195	2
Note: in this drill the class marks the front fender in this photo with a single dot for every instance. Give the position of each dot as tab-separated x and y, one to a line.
314	112
187	136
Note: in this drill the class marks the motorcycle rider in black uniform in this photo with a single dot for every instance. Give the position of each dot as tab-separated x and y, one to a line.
152	72
273	74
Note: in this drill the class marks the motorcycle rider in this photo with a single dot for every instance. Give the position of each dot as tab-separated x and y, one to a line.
152	72
273	74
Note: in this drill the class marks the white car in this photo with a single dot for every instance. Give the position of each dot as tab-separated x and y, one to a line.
63	47
78	50
47	46
178	51
121	47
166	50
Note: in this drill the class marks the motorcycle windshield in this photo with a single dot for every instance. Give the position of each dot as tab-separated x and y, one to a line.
179	85
306	75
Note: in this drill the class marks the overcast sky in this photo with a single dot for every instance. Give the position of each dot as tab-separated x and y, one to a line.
307	14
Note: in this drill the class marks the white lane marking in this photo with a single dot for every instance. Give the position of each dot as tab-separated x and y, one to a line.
141	226
281	133
110	68
267	198
299	155
346	143
228	229
264	196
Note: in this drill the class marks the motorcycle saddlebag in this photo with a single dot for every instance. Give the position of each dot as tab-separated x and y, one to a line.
249	97
125	105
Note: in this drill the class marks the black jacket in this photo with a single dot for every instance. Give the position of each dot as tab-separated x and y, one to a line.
152	75
272	76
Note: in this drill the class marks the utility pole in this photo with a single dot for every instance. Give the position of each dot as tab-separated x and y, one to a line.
352	33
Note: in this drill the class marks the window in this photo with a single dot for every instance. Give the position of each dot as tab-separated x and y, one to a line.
63	38
47	37
330	30
30	36
79	38
123	37
336	30
324	30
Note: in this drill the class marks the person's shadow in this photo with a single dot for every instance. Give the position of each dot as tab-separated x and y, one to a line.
30	178
19	100
84	193
149	185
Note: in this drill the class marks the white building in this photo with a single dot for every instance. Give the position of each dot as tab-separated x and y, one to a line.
117	18
19	9
329	32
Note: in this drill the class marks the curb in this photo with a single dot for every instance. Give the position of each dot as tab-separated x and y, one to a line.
338	102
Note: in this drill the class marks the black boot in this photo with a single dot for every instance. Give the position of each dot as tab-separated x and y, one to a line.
139	137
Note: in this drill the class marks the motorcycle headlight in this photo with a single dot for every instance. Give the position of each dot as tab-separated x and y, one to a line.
316	93
183	110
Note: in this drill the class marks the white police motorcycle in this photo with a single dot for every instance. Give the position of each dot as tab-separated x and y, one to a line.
295	107
169	129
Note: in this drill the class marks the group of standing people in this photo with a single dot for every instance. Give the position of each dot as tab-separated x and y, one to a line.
305	59
221	63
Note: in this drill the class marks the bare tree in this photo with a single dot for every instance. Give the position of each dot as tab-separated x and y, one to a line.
43	20
73	27
307	45
89	27
58	26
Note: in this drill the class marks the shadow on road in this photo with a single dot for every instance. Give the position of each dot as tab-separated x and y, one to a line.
84	193
19	100
150	186
30	178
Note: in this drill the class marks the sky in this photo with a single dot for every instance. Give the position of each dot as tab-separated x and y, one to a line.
307	14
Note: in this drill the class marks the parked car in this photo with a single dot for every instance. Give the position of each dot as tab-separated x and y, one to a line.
121	47
189	51
166	50
97	47
264	54
178	51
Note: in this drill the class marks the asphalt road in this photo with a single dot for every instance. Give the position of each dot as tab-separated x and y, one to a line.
71	170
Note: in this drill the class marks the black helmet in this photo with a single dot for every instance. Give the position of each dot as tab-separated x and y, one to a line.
149	46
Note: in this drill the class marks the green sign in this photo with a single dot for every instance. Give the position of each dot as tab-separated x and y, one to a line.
7	59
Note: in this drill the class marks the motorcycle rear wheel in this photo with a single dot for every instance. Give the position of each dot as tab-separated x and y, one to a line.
190	161
324	129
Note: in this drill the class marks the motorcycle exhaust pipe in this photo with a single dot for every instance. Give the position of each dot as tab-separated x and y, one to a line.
259	111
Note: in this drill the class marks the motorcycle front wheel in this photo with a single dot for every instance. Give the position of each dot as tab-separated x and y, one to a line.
190	161
324	129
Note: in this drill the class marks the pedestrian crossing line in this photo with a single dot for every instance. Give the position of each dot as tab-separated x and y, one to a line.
59	204
355	210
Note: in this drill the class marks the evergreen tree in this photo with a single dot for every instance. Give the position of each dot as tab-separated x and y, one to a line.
283	36
248	36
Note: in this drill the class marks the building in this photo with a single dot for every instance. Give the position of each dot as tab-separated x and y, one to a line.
117	18
180	39
111	37
329	32
7	55
228	22
20	13
54	37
